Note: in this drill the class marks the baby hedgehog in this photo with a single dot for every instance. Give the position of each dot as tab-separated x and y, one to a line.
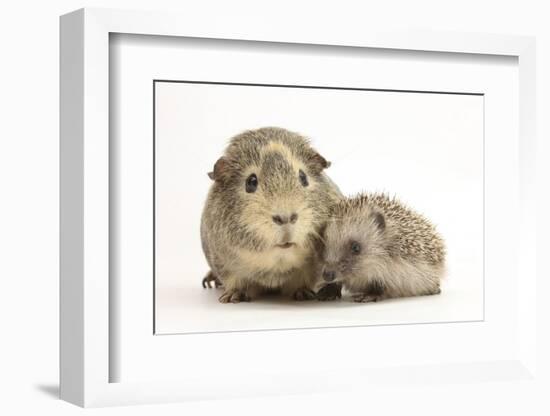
377	248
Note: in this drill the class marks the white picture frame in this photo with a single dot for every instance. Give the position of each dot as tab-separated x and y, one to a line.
85	224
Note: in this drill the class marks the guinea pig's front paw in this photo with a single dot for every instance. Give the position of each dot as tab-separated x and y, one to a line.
328	292
365	297
234	296
304	294
211	277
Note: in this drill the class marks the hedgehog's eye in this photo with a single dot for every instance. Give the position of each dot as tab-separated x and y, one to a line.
251	183
355	247
303	178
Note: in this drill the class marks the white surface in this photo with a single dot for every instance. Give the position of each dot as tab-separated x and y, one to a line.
425	148
294	356
29	266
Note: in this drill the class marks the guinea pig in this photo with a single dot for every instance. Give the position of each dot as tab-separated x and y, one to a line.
376	248
262	216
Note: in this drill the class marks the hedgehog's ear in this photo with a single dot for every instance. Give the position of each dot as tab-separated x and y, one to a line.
221	168
321	232
319	240
319	162
379	220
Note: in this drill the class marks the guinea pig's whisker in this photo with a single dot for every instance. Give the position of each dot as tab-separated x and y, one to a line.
315	234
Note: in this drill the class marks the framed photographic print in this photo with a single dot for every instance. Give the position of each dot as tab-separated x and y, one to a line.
264	198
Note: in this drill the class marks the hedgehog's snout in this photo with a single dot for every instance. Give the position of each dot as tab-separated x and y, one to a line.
329	275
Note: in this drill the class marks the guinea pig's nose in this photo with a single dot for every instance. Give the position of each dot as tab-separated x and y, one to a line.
329	275
285	219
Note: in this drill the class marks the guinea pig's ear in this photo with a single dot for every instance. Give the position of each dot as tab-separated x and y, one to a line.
379	220
221	168
319	162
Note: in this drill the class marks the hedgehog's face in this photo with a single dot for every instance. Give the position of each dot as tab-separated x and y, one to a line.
274	199
352	246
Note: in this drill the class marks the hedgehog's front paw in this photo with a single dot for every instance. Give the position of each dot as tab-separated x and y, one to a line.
234	296
304	294
365	297
331	291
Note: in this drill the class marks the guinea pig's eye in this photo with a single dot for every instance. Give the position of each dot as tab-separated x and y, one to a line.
251	183
303	178
355	247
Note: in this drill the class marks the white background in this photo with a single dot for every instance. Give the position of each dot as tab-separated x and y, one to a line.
29	220
425	148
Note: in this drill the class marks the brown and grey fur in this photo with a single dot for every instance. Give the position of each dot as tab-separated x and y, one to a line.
400	251
240	237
